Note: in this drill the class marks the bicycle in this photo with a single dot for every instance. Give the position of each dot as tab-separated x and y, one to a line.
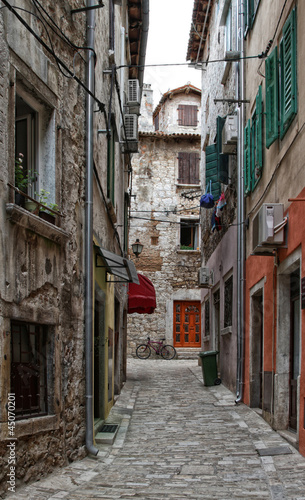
143	351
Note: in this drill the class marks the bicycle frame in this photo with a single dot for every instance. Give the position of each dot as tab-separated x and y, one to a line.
159	342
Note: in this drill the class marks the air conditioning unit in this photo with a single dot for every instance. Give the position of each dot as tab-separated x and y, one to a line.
205	277
133	93
230	135
131	127
268	228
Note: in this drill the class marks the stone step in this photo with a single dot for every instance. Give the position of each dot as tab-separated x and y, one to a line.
188	353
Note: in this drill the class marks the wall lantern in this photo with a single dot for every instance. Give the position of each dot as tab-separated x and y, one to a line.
137	247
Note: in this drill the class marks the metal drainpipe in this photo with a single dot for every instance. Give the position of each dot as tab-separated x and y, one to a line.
144	36
89	234
240	210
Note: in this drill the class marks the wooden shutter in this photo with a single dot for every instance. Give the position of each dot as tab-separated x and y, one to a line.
184	170
247	158
271	98
288	73
188	166
222	159
187	115
194	168
211	170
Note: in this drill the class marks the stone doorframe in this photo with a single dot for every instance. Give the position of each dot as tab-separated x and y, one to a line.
181	295
281	379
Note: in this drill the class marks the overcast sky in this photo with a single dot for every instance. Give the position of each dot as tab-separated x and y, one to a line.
168	36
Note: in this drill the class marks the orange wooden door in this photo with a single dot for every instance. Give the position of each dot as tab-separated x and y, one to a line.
187	324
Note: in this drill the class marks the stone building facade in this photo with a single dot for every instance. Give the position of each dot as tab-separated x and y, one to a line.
219	241
164	216
63	148
265	64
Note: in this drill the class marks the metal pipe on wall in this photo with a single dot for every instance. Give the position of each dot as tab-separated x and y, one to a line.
89	234
240	206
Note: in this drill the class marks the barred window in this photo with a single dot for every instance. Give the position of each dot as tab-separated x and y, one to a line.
207	318
31	373
228	302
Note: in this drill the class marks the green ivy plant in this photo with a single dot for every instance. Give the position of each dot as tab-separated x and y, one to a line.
22	179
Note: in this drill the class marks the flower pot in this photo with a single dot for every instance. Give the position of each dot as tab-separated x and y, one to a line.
31	206
47	216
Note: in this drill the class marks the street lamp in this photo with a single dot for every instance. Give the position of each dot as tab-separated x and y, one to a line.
137	247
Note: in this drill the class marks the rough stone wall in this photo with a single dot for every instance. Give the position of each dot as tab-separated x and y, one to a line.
42	282
157	206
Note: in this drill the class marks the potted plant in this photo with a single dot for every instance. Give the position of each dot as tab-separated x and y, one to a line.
44	213
22	182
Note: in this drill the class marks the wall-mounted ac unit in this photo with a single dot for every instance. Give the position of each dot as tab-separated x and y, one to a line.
205	277
133	93
131	127
268	228
229	135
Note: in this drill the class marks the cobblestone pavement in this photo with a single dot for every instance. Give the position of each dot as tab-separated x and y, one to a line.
179	440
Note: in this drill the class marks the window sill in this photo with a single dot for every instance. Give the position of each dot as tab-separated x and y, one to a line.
24	218
197	252
30	426
226	331
179	185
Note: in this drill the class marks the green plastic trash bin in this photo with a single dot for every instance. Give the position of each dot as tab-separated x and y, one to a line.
209	368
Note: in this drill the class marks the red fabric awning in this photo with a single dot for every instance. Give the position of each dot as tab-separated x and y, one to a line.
142	297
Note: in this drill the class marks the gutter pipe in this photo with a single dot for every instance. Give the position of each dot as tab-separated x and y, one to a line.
240	207
144	37
89	234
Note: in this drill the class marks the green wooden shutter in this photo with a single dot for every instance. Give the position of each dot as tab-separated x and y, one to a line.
271	98
258	166
288	73
247	158
211	170
222	159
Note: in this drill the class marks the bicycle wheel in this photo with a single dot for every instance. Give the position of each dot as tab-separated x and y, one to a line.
143	351
168	352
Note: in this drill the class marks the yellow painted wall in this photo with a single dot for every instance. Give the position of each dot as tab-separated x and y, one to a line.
100	276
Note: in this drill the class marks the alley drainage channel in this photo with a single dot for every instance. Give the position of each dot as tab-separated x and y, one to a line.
107	434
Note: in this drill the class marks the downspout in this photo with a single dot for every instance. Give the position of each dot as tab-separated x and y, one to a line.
240	206
144	37
89	234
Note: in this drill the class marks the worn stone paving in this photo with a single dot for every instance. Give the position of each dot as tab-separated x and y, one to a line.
179	440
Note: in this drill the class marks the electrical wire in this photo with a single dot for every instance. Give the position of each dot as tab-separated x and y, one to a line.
57	59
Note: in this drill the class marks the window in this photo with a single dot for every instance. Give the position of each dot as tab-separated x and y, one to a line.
31	369
253	145
251	7
189	229
156	122
207	318
111	25
187	115
188	165
281	83
35	140
228	302
228	30
110	167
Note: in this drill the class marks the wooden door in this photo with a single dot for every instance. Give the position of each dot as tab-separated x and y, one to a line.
187	324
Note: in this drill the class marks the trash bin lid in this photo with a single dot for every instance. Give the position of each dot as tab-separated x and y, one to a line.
208	353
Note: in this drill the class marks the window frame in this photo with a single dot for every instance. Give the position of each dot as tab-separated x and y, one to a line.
42	141
193	226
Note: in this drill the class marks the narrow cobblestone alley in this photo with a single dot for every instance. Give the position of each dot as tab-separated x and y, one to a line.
179	440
